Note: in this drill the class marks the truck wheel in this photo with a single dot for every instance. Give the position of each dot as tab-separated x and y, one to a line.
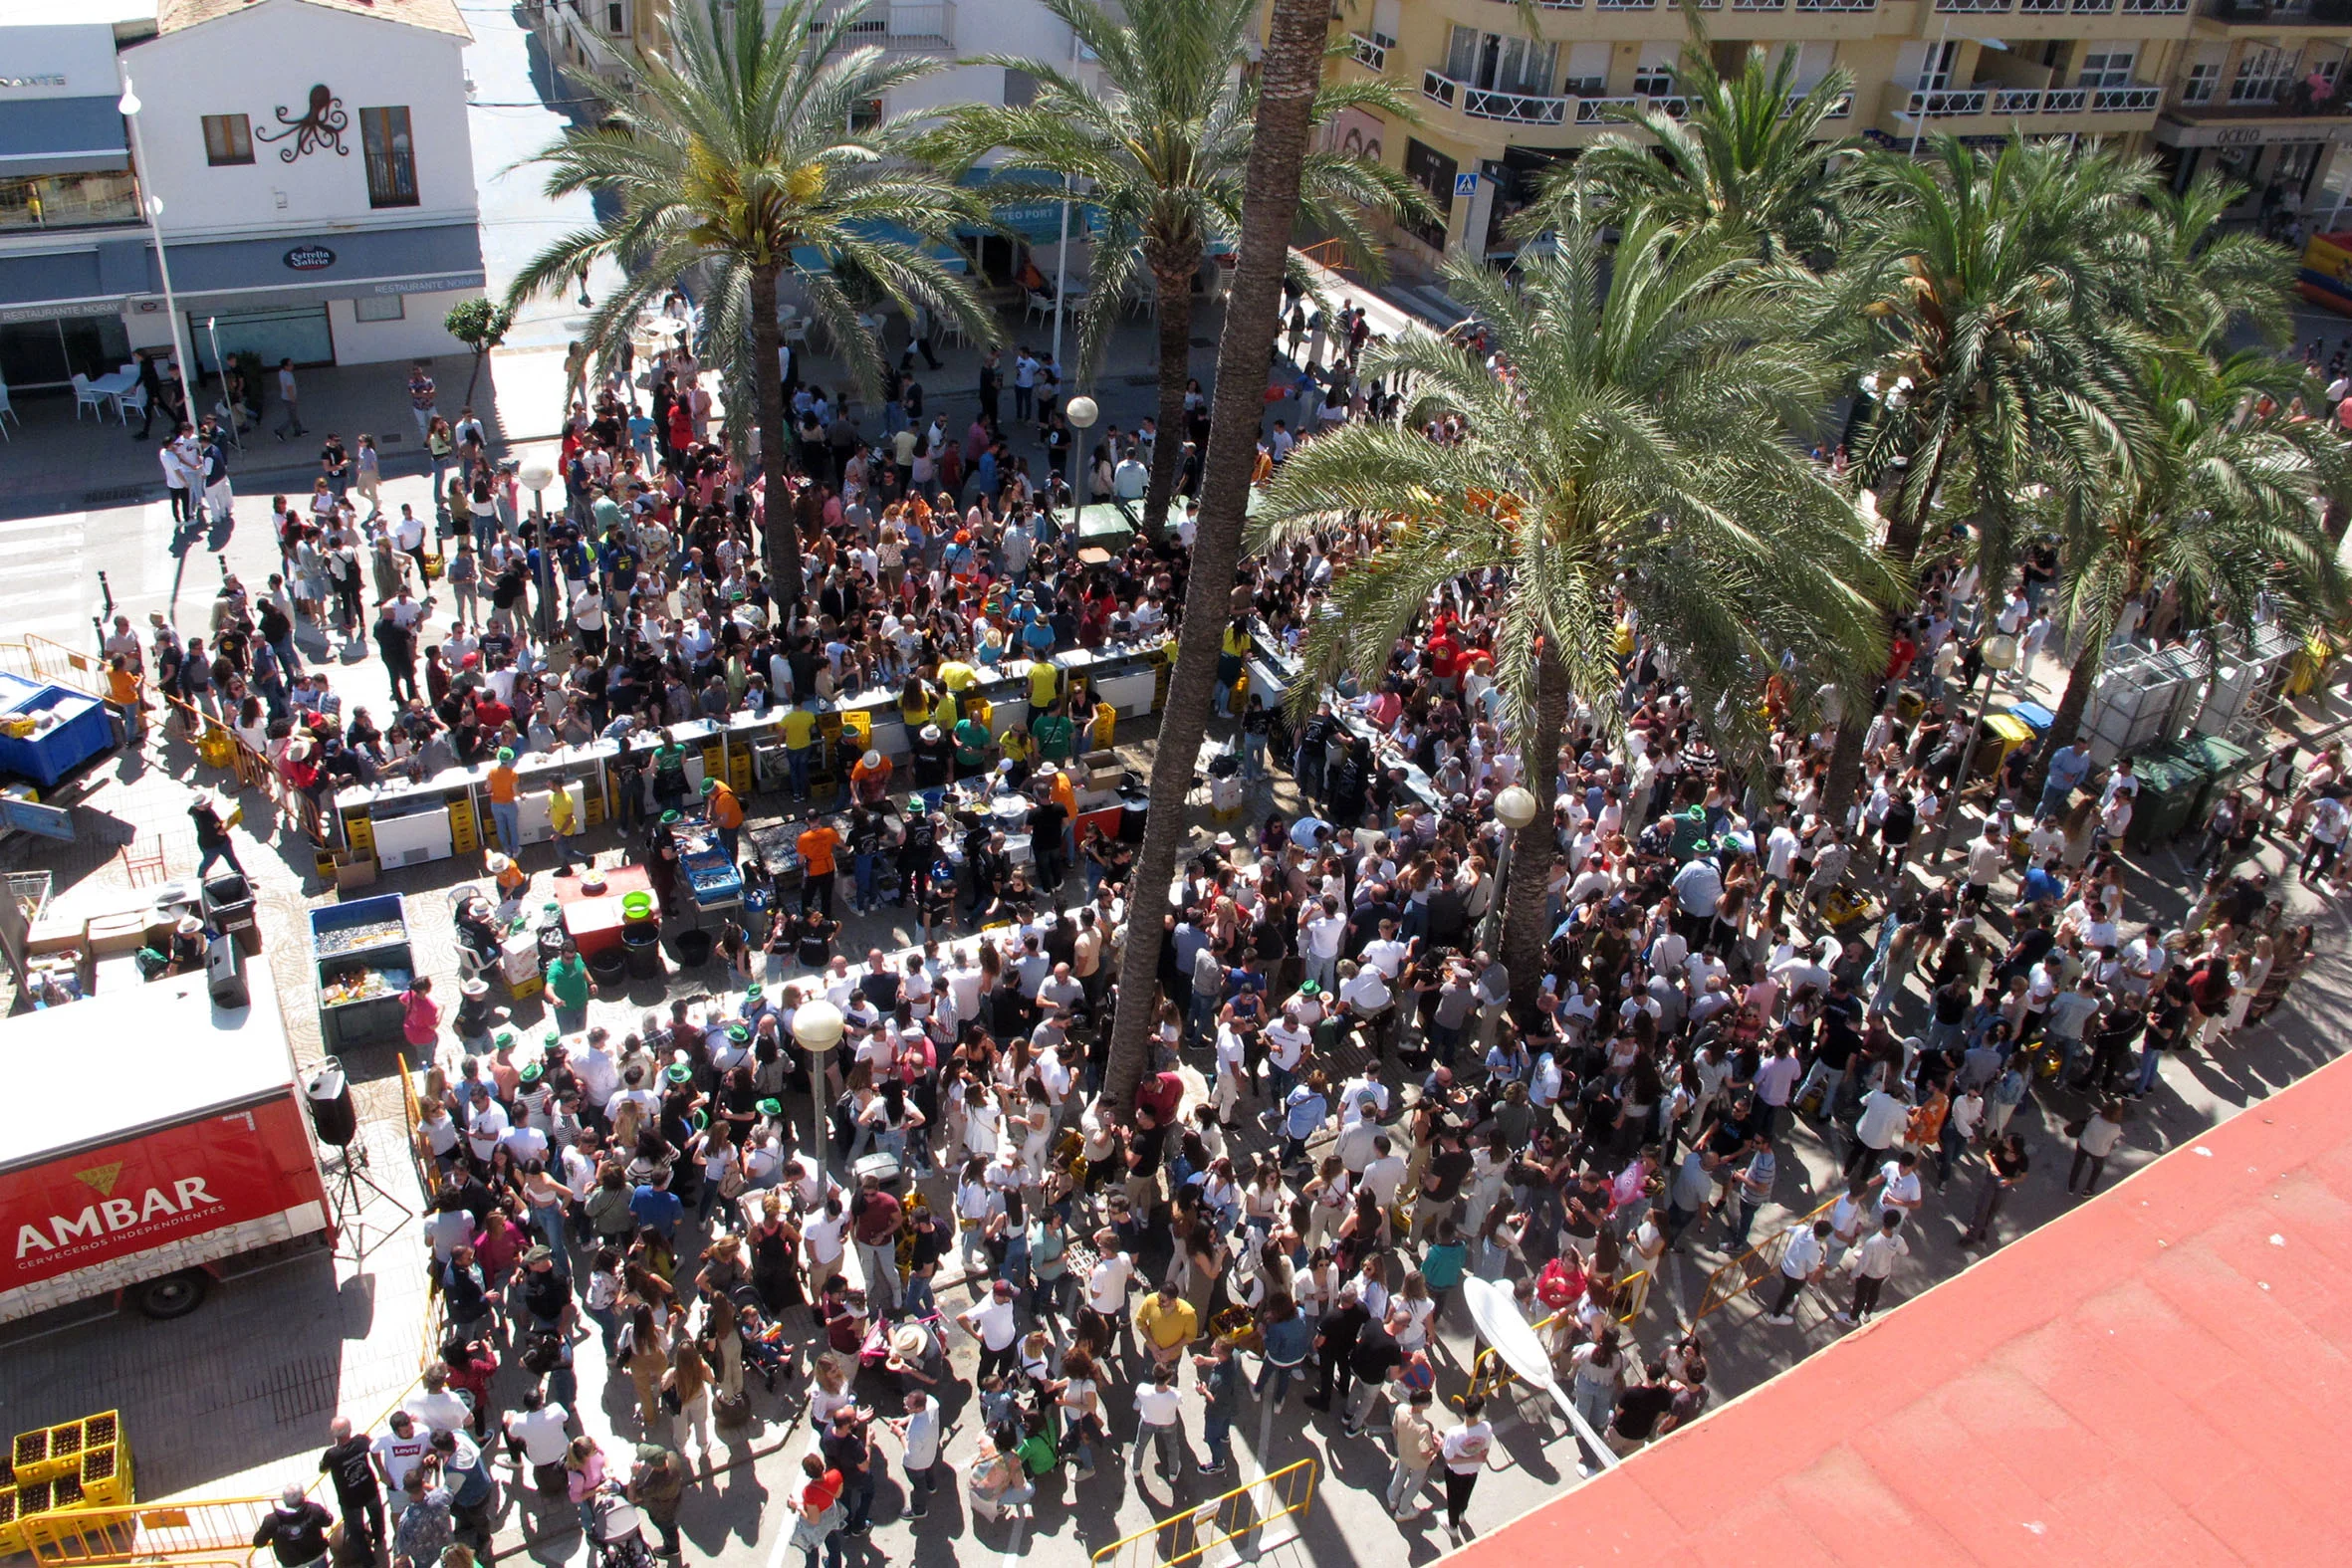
174	1295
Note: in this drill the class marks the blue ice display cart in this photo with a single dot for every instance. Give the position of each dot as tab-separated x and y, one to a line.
76	729
363	962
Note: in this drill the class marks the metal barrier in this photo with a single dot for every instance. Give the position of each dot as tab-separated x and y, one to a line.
38	658
1752	1267
1259	1515
218	746
217	1528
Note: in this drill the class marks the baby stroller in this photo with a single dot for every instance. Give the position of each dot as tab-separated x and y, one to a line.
614	1539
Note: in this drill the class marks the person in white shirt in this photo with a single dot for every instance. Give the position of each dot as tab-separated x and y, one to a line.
1464	1451
399	1448
1803	1261
1871	1264
995	1324
435	1406
919	1433
1159	1422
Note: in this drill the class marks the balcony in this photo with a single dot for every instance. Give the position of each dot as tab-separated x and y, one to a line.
2002	104
1838	5
1370	50
924	27
2277	13
1527	108
1838	110
2269	101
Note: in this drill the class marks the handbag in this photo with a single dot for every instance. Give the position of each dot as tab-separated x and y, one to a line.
809	1534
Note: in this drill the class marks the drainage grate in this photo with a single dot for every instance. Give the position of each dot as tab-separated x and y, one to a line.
388	438
114	497
302	1388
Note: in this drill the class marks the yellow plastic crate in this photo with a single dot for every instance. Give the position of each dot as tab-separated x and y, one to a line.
465	829
594	817
105	1475
739	777
358	831
529	986
12	1535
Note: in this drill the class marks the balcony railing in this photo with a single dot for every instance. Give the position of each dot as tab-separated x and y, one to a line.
2135	98
1957	7
2155	7
2065	101
1760	5
2280	12
2040	7
1626	5
1949	102
927	25
2274	100
1533	109
1838	110
1371	53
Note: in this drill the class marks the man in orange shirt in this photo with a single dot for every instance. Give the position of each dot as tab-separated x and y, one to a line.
816	844
726	812
505	812
870	780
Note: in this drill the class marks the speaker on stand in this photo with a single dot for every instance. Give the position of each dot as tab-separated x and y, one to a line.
335	1120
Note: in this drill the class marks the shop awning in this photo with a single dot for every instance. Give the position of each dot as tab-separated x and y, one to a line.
61	136
808	258
345	264
1028	203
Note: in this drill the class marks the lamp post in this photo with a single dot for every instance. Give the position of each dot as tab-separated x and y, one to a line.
151	207
1082	414
536	476
1997	652
817	1026
1514	809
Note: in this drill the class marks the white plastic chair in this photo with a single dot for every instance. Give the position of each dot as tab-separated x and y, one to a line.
130	402
88	396
1037	308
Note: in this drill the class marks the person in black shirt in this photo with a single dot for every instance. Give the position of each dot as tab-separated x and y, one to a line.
294	1531
345	1463
1334	1346
1046	820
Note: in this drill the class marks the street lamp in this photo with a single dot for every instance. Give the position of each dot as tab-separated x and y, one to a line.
1514	809
1998	653
152	206
536	476
1081	413
817	1026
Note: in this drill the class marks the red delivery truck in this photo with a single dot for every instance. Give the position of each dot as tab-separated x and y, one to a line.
153	1135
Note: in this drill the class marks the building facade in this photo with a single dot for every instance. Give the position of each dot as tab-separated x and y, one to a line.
2197	83
313	164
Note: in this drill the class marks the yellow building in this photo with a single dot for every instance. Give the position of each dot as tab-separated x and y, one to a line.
2234	84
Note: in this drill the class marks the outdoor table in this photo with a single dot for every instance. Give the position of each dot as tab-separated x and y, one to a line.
593	920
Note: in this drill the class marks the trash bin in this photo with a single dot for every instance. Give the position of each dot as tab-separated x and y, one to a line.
228	908
2034	715
640	945
609	969
2170	783
693	948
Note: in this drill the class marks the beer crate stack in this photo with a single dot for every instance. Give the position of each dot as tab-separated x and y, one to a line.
78	1465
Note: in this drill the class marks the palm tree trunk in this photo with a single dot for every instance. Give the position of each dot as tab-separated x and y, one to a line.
1174	314
1291	71
781	537
1526	932
1905	528
2079	681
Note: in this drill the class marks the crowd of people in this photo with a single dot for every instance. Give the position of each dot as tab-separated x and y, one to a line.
1351	1105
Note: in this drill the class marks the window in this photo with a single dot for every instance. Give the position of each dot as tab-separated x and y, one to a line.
615	19
379	308
228	138
2263	73
1499	63
392	157
2198	86
865	115
2112	68
1434	173
1653	76
1021	88
1935	65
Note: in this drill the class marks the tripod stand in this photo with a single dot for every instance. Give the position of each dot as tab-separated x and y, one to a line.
347	1173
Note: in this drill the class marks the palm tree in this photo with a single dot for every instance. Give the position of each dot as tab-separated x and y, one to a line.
2193	279
1161	150
2219	502
1977	292
1634	455
1271	178
1754	156
719	161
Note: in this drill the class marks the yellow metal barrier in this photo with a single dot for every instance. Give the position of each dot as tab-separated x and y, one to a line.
1261	1515
1750	1269
1487	1371
161	1532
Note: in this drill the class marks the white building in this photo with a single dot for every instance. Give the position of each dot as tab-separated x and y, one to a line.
312	162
